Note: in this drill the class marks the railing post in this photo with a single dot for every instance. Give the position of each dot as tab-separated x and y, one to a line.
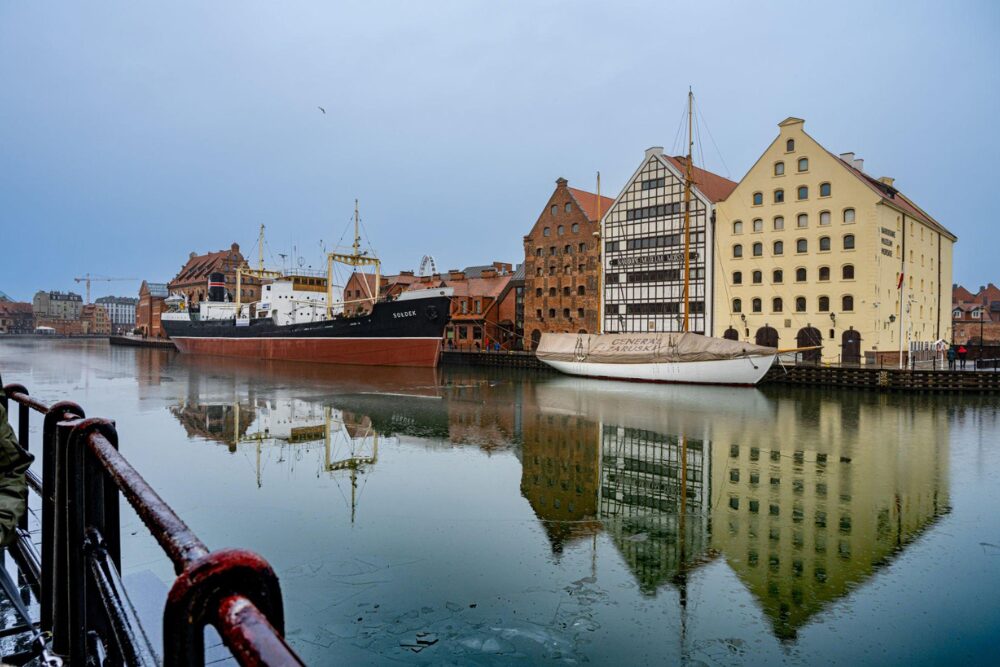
198	592
23	417
50	556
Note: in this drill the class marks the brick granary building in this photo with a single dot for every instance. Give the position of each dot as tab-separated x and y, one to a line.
560	264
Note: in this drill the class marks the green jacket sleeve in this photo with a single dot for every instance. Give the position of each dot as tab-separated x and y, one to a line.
14	463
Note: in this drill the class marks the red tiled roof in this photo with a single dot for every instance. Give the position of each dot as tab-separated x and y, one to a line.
960	294
588	202
16	307
988	295
200	266
893	197
713	186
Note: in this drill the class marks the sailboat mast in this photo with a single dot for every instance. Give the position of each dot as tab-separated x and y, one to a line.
260	249
600	260
357	236
687	217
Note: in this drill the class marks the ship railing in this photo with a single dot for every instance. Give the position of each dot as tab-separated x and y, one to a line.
77	577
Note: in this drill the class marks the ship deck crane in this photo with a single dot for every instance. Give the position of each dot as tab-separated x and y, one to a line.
87	278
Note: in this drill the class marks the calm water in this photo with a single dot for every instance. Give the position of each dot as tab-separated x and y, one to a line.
525	518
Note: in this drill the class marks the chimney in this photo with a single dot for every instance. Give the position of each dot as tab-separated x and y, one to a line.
847	157
488	273
654	150
406	273
503	268
561	182
859	164
455	274
887	180
192	255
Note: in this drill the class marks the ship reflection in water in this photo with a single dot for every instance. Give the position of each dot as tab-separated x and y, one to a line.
803	497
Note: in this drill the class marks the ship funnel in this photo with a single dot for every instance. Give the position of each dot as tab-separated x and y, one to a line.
216	287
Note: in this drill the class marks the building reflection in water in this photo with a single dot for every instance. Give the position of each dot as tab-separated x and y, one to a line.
804	496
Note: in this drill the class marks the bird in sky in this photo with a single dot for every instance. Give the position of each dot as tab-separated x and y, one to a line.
322	109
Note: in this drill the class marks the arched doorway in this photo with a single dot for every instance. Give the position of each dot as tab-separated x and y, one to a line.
536	336
767	336
850	347
731	334
810	337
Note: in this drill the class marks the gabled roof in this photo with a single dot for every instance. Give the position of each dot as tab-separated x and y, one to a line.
16	308
588	201
199	266
959	294
894	198
713	186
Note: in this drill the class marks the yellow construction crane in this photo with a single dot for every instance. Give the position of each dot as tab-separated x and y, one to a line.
86	278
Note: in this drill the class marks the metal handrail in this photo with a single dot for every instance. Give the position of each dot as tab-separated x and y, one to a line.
83	602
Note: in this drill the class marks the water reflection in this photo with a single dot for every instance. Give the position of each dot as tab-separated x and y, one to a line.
804	497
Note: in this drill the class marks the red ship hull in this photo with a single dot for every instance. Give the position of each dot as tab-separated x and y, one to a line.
421	352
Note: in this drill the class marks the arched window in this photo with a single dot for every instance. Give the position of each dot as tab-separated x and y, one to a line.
538	291
737	277
560	231
849	242
758	198
801	245
757	277
737	305
566	291
737	250
779	168
824	273
779	196
790	145
847	272
755	305
776	304
758	225
567	250
824	304
576	225
803	192
553	209
848	215
568	207
580	291
800	275
738	227
802	221
824	218
847	303
803	164
546	232
538	252
758	249
824	189
800	304
552	312
552	291
779	223
778	276
779	247
824	243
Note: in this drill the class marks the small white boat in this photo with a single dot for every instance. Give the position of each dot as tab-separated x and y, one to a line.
657	357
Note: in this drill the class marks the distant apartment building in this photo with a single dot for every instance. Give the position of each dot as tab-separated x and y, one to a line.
192	280
644	239
57	305
94	320
120	310
16	317
815	252
561	258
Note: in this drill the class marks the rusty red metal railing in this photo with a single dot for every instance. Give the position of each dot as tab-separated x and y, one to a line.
83	603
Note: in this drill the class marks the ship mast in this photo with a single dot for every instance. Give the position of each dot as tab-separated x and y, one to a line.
687	217
355	259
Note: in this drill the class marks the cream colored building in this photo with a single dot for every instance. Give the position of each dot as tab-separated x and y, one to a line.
810	250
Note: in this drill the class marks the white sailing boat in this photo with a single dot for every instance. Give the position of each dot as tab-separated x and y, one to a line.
683	356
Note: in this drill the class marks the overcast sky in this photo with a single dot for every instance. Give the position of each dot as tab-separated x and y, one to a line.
134	133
